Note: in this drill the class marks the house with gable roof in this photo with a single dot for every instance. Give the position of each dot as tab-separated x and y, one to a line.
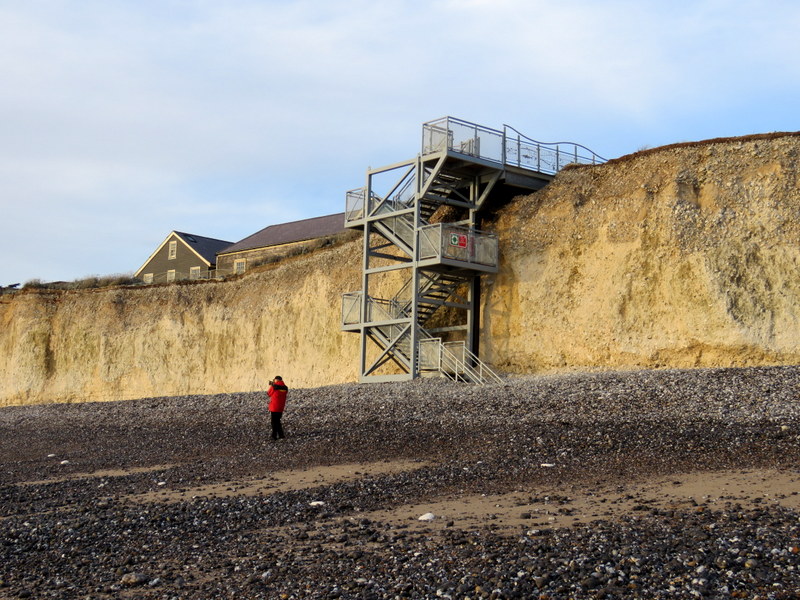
279	241
182	256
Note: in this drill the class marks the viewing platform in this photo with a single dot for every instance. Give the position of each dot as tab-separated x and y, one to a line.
454	247
507	147
470	150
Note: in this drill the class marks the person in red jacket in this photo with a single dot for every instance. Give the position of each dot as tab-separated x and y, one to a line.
277	403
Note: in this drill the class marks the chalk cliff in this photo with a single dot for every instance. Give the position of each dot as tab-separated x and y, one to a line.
207	337
675	257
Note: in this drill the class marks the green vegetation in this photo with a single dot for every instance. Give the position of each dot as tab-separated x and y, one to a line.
87	283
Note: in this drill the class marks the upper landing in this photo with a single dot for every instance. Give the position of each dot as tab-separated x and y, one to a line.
505	149
454	153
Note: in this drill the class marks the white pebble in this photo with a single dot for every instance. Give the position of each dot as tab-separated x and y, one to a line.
427	517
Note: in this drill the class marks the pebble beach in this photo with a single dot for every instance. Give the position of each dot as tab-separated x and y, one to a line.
639	484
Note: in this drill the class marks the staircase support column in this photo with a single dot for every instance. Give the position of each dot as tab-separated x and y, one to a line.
415	272
362	372
474	312
474	318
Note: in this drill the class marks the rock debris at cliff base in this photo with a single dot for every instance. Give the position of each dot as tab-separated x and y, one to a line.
181	497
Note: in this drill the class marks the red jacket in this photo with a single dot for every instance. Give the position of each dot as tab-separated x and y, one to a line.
277	397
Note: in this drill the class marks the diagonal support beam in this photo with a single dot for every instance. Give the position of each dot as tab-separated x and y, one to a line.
387	353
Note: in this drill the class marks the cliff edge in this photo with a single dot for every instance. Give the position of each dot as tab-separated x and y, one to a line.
675	257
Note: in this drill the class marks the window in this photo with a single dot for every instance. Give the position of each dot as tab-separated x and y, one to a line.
173	250
148	278
239	266
170	275
194	272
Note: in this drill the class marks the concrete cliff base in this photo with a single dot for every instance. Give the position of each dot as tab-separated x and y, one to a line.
679	256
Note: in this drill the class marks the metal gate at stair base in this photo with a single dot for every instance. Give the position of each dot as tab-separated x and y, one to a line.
430	355
453	360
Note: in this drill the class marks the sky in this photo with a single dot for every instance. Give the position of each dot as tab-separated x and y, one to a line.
123	120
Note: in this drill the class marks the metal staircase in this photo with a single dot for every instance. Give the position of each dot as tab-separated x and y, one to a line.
435	266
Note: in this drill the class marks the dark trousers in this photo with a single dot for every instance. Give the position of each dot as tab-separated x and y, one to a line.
277	428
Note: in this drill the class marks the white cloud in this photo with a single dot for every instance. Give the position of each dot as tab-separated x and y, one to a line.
147	117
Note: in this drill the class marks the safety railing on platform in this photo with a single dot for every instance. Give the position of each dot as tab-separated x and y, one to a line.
377	309
444	241
357	207
507	147
550	157
463	137
351	308
354	205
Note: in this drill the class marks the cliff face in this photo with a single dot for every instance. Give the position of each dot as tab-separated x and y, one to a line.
683	256
179	339
680	257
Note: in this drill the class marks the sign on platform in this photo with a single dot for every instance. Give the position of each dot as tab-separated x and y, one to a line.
458	239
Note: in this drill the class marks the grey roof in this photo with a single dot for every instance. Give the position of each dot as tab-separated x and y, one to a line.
206	247
285	233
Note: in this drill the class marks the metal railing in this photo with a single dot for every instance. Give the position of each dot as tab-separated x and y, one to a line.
453	360
463	137
354	205
544	157
507	147
351	308
453	242
377	309
459	355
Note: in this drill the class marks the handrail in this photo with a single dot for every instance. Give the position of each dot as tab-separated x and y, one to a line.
448	363
494	145
387	309
403	304
447	359
482	366
355	205
595	155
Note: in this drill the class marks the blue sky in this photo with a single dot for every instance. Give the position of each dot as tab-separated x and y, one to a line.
123	120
